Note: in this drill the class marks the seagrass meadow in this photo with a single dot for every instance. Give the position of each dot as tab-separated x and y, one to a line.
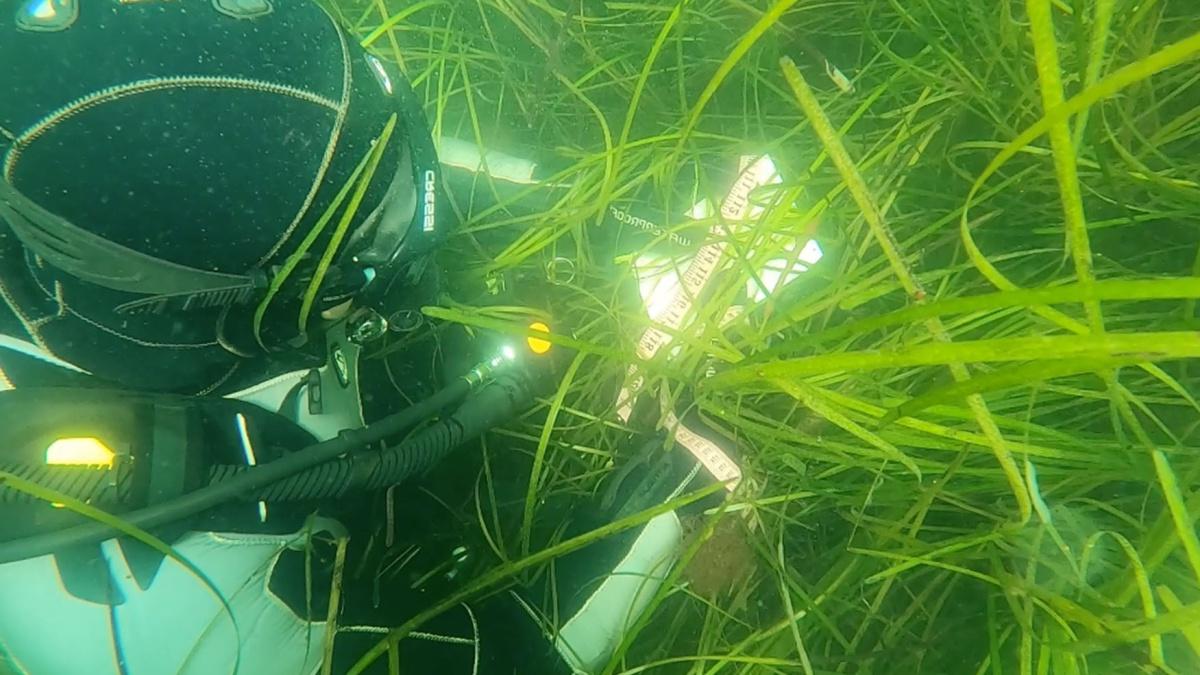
968	434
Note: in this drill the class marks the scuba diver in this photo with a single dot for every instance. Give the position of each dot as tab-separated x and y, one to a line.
209	209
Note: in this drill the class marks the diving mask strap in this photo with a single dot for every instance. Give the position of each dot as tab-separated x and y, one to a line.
96	260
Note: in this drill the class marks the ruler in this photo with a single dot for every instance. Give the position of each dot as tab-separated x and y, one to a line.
700	270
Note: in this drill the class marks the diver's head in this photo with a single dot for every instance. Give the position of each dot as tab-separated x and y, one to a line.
173	169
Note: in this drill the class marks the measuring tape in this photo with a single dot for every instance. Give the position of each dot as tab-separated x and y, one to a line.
700	270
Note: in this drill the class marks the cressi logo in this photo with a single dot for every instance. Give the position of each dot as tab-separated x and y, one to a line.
430	201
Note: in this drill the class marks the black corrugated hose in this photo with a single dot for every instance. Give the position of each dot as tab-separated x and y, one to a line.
310	473
82	482
494	403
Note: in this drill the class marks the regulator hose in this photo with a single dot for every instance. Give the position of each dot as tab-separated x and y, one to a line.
374	469
81	482
496	402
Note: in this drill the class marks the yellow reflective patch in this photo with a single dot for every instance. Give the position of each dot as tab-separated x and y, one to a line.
538	345
80	452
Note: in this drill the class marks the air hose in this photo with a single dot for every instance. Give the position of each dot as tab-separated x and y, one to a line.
82	482
315	471
494	403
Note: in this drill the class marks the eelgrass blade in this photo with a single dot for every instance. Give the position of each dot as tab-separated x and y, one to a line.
1185	522
900	267
292	261
535	474
335	241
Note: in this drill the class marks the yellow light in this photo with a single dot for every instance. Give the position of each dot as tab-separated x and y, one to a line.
538	345
80	452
